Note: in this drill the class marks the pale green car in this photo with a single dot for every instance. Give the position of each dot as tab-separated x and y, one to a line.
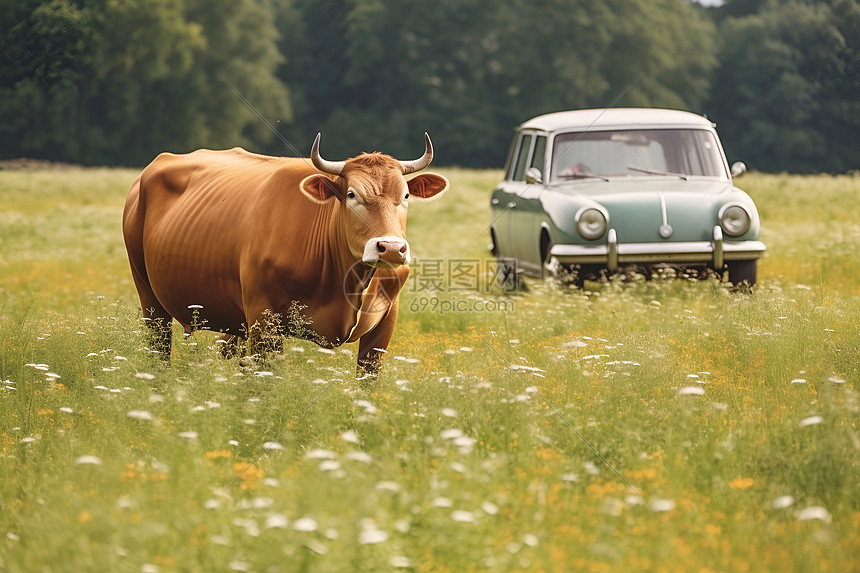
594	192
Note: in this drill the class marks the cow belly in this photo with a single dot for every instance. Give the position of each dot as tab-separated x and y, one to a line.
192	296
191	264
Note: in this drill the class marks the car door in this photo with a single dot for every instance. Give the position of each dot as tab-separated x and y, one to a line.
504	199
525	225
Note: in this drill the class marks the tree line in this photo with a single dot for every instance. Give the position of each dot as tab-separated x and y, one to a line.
117	81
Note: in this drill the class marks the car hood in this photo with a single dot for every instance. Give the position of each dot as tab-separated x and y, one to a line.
635	206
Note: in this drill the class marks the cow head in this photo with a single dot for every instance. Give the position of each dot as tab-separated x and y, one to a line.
373	195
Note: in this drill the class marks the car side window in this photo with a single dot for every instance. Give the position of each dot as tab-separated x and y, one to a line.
539	154
522	158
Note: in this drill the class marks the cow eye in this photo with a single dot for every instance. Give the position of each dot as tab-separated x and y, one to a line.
350	195
405	197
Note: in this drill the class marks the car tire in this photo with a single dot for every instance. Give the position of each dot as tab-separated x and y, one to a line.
742	272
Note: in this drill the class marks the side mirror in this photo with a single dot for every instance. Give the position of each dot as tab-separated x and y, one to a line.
738	168
533	175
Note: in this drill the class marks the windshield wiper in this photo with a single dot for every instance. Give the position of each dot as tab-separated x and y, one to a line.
656	172
581	176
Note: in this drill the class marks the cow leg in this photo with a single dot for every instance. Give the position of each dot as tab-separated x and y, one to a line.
373	345
157	319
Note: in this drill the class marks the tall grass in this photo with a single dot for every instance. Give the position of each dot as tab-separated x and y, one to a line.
640	426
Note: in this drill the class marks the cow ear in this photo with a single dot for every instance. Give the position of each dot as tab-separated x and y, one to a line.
427	185
319	188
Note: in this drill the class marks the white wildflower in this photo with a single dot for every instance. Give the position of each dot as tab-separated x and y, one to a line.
359	457
458	467
782	502
349	436
212	504
369	407
392	486
662	505
811	421
276	521
305	524
813	512
591	469
370	534
451	434
329	465
463	516
442	502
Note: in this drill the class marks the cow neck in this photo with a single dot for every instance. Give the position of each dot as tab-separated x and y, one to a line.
350	272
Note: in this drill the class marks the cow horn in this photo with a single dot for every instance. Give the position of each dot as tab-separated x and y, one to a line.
330	167
424	161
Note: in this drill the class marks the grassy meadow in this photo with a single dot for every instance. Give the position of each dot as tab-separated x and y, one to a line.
639	426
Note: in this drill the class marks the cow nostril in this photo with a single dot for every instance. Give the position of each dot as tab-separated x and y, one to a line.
380	247
403	249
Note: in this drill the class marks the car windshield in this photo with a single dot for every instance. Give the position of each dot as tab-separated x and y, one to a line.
655	152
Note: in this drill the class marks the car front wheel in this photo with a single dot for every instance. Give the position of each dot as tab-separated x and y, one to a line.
742	271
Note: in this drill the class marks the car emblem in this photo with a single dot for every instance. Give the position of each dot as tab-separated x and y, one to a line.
665	231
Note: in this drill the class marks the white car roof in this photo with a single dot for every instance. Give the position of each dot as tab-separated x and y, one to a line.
613	118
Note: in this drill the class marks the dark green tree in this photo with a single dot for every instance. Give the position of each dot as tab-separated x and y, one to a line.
786	95
375	74
44	52
98	81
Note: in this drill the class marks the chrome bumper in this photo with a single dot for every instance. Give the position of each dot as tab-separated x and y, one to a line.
612	254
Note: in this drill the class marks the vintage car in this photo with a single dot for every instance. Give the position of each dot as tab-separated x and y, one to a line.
591	193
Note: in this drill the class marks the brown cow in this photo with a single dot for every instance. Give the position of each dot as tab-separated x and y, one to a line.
224	239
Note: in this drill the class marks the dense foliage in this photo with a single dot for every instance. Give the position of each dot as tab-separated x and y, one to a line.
787	92
103	81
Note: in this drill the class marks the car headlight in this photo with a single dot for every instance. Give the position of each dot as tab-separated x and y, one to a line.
590	223
734	219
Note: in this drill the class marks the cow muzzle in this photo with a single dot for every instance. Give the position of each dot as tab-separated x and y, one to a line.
386	252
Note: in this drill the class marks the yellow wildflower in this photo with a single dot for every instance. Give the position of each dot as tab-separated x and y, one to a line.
741	483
